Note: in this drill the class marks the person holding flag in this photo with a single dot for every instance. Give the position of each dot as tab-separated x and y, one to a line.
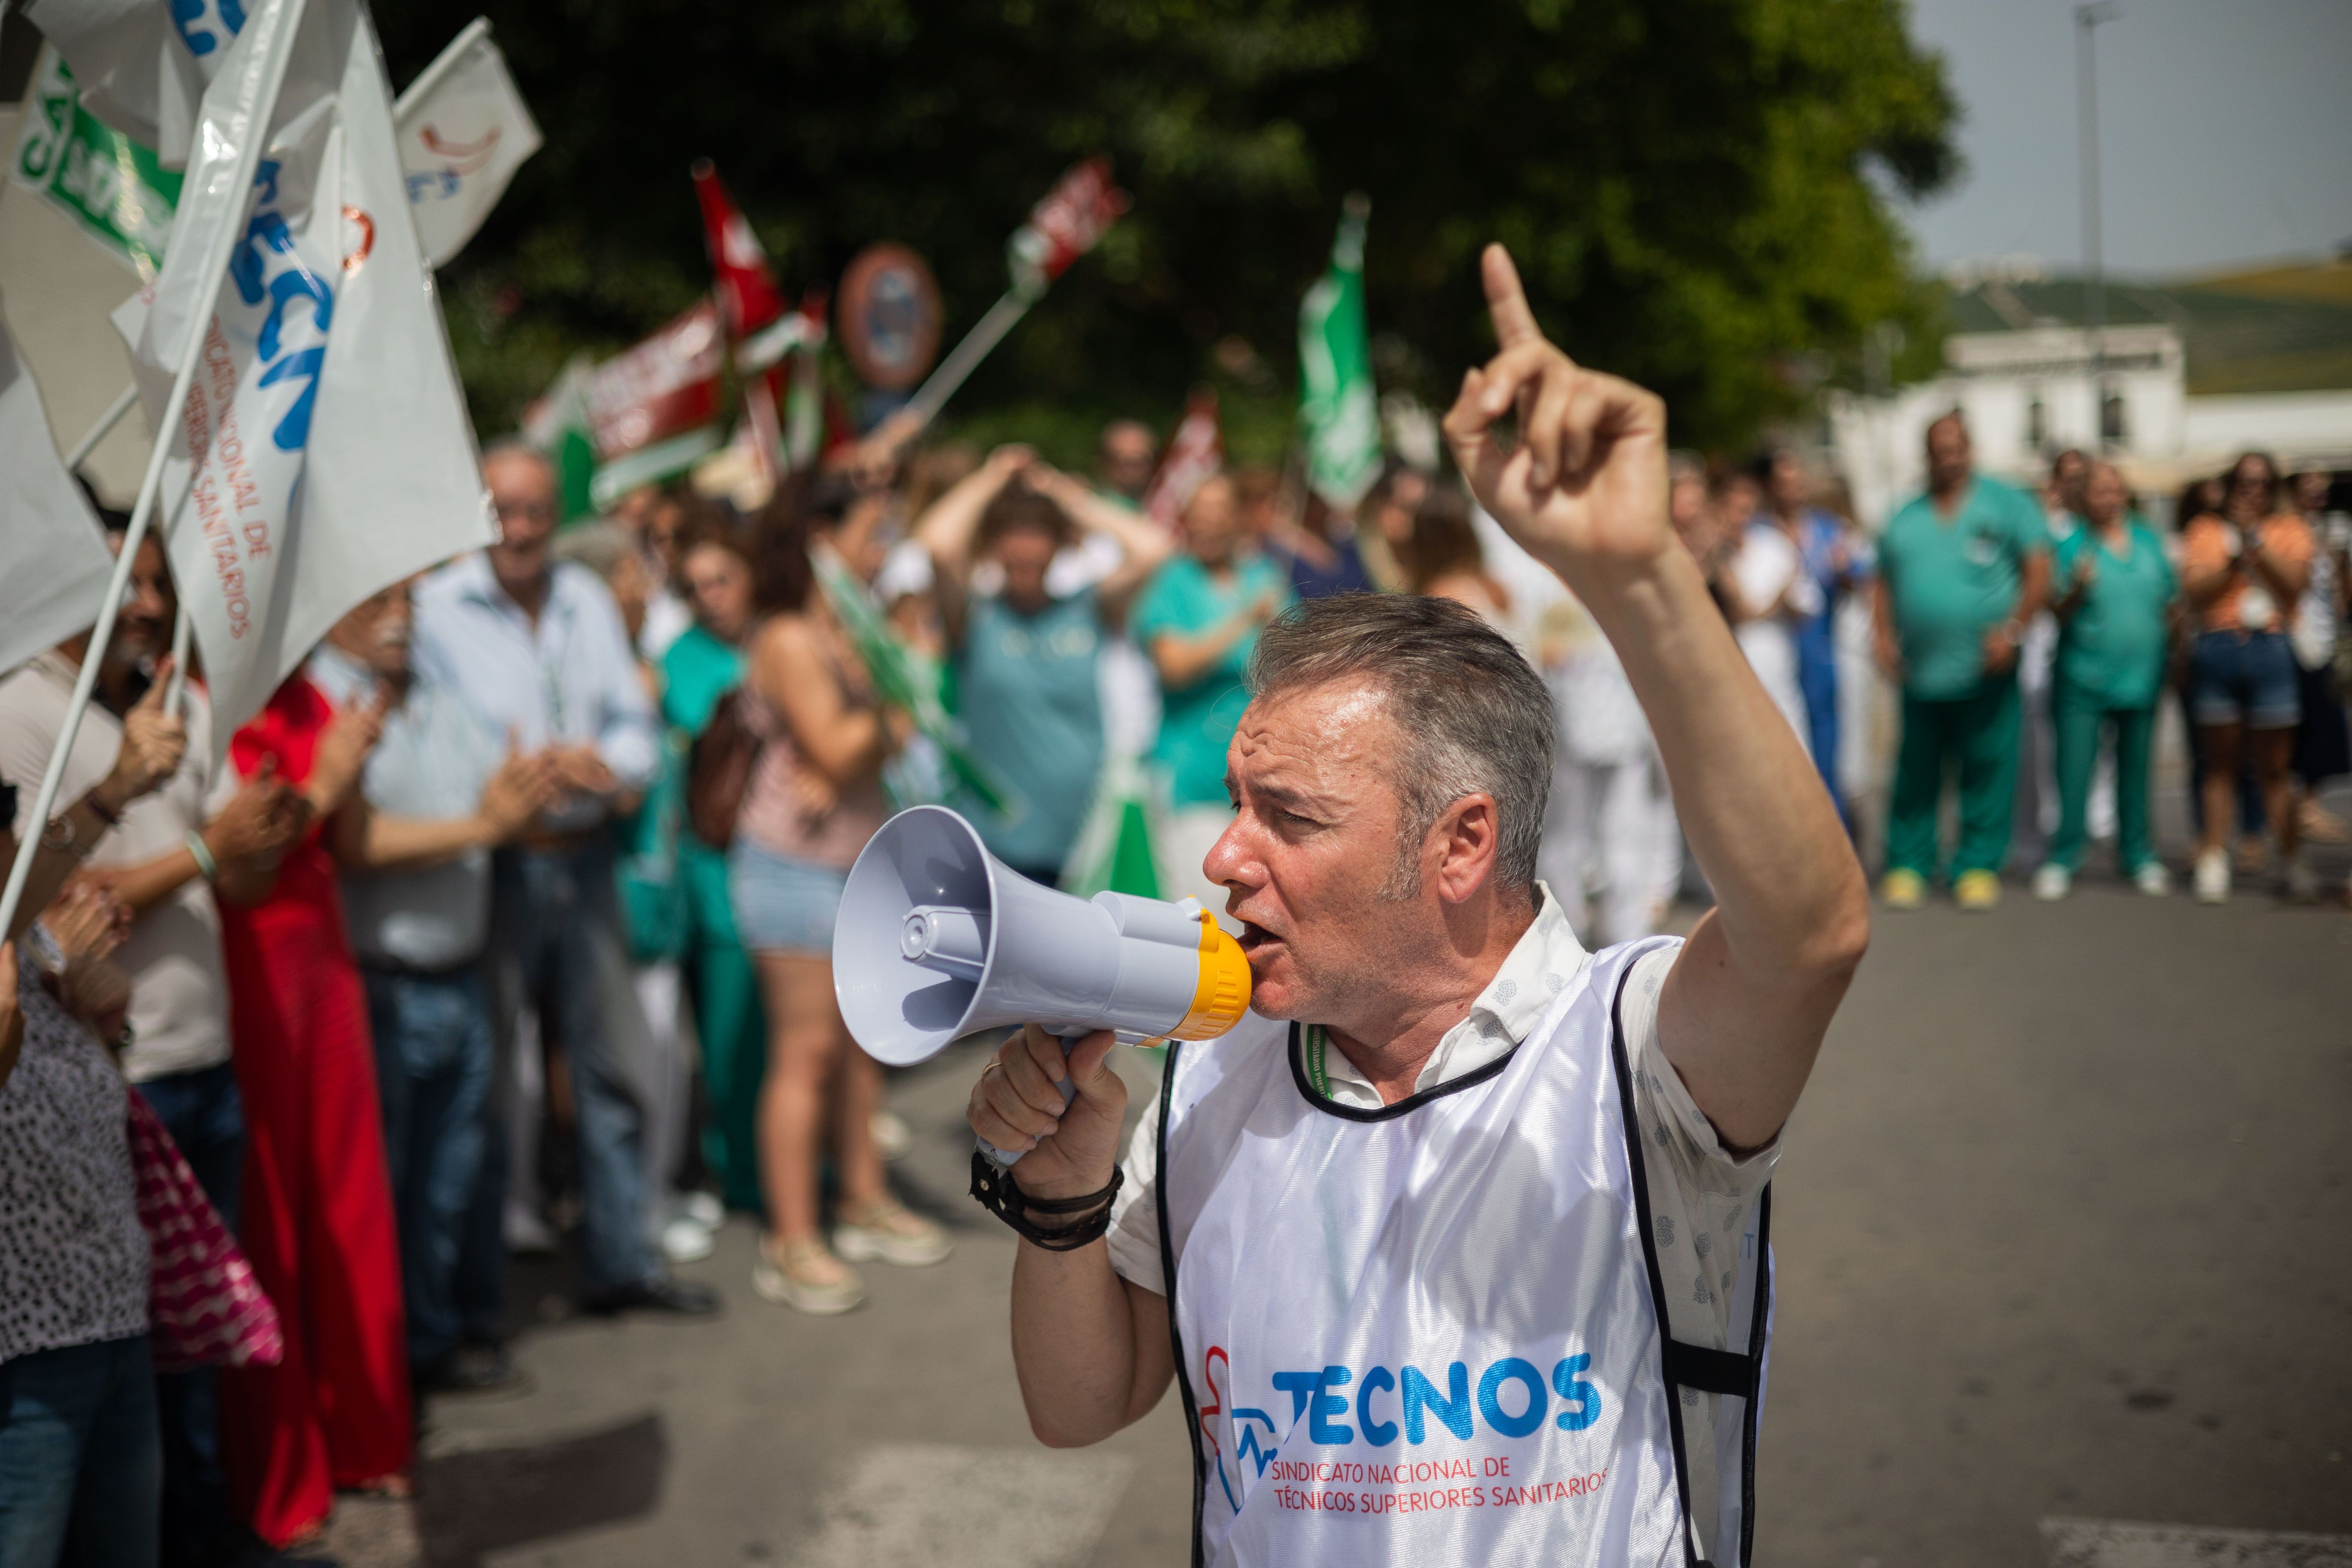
1458	1247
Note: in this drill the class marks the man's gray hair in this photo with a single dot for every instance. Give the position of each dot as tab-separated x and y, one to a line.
517	446
1475	714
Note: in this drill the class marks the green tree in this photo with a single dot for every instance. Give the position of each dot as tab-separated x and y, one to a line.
1698	191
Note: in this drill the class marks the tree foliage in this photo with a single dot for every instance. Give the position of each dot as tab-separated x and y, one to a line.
1698	191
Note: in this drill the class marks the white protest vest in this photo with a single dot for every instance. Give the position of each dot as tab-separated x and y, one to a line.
1427	1334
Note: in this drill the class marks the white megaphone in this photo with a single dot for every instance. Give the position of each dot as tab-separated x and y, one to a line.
937	939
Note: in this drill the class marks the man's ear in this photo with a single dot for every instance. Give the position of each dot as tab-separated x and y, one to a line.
1469	834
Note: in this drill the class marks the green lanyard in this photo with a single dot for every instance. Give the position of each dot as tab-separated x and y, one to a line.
1314	1073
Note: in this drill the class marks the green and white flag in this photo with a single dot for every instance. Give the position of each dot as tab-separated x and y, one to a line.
1116	848
1337	402
115	190
907	678
556	422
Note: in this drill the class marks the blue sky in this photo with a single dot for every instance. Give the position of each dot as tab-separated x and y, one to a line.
2226	129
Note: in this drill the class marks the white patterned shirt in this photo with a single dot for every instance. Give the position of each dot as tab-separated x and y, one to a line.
74	1266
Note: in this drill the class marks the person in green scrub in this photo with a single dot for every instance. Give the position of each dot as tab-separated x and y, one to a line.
1963	569
2115	590
700	667
1026	657
1198	622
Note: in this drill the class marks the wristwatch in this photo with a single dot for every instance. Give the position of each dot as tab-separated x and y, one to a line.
63	836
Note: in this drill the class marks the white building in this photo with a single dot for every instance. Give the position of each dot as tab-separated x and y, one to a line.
2032	380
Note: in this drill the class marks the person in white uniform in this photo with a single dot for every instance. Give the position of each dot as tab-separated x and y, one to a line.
1767	591
1457	1247
1612	811
1610	824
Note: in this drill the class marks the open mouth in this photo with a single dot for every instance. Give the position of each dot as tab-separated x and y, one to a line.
1256	941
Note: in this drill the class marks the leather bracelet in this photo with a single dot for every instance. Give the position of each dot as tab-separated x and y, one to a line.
1001	1195
99	809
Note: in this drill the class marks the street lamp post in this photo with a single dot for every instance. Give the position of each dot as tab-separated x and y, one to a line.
2087	18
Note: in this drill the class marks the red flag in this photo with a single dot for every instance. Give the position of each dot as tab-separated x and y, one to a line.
1194	454
1069	221
748	296
664	386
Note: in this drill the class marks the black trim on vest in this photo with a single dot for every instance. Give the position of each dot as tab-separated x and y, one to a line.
1470	1079
1687	1365
1167	1282
1710	1371
1759	1325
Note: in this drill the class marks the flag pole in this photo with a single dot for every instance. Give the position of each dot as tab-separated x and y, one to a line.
288	15
985	335
182	631
99	432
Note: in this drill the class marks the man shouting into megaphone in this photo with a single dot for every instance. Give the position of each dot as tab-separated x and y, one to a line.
1458	1247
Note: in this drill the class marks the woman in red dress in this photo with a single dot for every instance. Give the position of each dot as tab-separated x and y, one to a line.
317	1221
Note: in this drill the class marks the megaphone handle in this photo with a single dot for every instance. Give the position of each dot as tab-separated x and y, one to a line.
1004	1161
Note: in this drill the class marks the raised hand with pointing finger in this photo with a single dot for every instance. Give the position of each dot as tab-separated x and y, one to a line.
1584	489
1584	486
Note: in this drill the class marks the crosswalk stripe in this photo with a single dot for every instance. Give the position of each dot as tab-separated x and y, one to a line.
2113	1543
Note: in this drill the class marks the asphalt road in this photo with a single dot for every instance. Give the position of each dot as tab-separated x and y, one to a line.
2060	1231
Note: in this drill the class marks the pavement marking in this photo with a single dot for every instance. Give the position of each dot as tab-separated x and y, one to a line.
921	1504
2111	1543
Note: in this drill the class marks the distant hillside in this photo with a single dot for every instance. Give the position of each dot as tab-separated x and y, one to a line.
2278	329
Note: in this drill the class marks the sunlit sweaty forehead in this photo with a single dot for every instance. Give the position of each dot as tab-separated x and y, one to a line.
1320	746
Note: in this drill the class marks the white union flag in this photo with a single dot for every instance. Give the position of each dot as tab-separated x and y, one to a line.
323	451
464	131
53	562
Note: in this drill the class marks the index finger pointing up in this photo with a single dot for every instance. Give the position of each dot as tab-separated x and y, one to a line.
1507	301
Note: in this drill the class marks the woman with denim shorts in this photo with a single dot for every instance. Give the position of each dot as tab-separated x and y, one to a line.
813	799
2241	572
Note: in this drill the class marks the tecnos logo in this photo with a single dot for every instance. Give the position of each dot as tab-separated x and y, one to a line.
1378	1406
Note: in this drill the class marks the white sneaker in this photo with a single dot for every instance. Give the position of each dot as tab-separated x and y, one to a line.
2052	882
2153	880
2214	877
2300	884
891	1233
805	1277
526	1232
703	1209
892	1137
684	1241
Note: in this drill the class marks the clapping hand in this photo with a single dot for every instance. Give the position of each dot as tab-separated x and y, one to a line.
1584	488
87	921
344	748
579	770
259	822
518	792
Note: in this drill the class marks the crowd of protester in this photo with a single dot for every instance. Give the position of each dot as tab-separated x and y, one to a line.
508	923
